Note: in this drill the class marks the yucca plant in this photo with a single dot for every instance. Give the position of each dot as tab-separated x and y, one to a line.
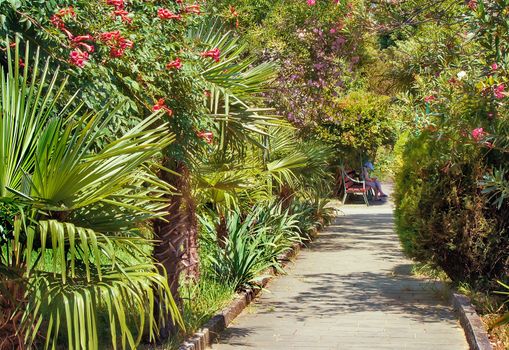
75	270
239	259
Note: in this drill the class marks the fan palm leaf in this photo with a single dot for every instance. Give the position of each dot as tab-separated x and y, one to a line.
75	248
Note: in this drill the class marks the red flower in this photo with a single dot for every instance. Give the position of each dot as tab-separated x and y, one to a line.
160	105
429	98
167	14
119	4
77	41
207	136
68	11
57	21
235	15
175	64
123	14
193	9
472	4
214	54
21	63
108	36
78	58
478	134
498	91
117	43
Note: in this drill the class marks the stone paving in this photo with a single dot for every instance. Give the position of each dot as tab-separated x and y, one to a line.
352	289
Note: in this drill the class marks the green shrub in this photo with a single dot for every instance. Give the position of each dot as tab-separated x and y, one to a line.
251	245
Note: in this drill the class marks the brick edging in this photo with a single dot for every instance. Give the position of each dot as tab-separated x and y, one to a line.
475	332
204	337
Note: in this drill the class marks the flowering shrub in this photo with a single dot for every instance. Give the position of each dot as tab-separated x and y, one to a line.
450	192
141	47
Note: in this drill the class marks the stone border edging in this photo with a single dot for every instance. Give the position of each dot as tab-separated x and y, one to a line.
476	334
220	321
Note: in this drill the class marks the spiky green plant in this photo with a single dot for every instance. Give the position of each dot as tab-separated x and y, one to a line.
73	262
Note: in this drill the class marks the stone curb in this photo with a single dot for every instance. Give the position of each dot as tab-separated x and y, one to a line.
202	339
475	332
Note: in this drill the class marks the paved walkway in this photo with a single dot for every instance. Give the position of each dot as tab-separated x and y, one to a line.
352	289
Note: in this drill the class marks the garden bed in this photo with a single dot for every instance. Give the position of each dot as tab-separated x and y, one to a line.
201	339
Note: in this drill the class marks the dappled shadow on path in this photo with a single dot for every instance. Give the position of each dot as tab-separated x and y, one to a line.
333	294
234	336
386	286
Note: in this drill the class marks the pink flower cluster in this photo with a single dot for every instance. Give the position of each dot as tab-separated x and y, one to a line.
123	14
116	42
80	54
429	98
214	54
498	91
167	14
478	134
207	136
175	64
79	57
118	4
161	106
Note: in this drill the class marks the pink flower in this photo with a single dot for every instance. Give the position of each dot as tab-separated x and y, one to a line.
167	14
214	54
478	134
489	145
67	11
119	4
57	21
429	98
123	14
207	136
311	2
160	105
78	58
175	64
193	9
494	66
117	43
332	30
472	4
498	91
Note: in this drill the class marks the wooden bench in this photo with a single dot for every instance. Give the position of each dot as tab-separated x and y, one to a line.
353	186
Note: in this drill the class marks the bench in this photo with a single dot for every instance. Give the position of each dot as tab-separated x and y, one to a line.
353	186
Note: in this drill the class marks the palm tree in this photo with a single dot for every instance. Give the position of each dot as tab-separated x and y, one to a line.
234	85
75	266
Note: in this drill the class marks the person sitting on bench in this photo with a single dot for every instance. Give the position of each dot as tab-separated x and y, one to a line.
372	181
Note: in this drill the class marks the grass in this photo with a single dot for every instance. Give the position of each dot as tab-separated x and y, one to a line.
430	271
202	300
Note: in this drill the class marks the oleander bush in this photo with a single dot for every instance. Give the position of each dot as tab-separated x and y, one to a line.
451	187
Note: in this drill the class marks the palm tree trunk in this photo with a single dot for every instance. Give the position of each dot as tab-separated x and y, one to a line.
177	236
191	257
170	236
286	195
222	230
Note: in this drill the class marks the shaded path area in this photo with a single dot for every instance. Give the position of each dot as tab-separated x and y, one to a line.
352	289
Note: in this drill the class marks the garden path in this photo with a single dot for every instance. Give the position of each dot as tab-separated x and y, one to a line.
352	289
